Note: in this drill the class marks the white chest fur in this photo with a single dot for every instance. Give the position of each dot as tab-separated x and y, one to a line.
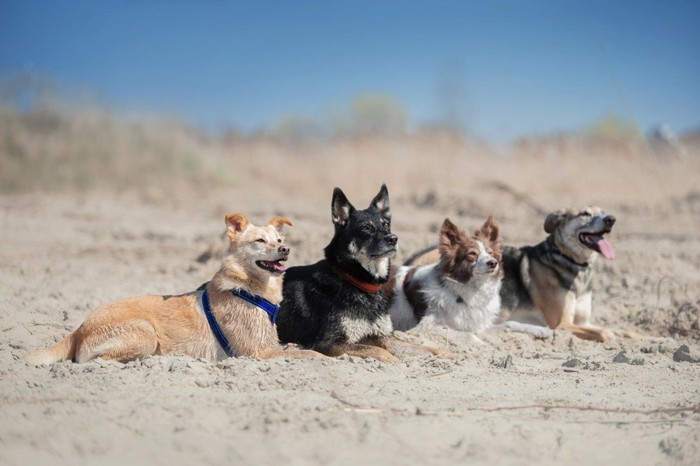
357	329
469	307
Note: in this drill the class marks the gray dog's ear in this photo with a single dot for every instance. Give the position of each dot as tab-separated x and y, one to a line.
381	202
553	220
340	208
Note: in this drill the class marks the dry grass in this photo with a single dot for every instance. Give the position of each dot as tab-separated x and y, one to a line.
57	150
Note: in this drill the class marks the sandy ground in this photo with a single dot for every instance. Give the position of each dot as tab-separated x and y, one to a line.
511	400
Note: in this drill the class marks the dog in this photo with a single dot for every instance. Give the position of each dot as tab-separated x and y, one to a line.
234	315
339	305
554	277
460	291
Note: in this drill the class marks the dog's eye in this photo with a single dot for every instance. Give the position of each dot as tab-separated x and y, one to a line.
260	240
472	255
279	240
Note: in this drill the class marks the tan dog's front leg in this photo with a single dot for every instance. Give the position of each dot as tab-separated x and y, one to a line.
589	332
559	309
288	353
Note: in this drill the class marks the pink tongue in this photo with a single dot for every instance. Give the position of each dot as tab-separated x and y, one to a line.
606	249
278	266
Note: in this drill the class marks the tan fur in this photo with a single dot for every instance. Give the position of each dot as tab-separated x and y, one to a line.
387	349
362	350
398	347
133	328
563	309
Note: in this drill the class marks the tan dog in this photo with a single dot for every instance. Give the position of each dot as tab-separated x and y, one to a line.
249	281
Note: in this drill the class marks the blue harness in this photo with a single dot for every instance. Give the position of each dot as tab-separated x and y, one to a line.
262	303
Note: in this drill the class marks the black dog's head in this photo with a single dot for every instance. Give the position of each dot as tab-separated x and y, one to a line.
363	244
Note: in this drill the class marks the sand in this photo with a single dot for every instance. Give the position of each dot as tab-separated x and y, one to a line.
511	400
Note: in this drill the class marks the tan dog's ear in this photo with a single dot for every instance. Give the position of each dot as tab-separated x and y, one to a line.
236	224
489	230
553	220
279	222
449	234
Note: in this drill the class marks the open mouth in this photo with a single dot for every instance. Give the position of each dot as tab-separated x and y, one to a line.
379	255
272	266
598	243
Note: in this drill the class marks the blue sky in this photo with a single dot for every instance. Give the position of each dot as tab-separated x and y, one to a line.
508	68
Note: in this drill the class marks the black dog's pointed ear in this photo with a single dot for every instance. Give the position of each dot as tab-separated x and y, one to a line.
381	202
340	208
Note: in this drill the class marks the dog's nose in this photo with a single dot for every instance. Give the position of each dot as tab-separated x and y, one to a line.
492	263
284	250
609	220
392	239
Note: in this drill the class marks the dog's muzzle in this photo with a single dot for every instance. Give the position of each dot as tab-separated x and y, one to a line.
594	239
275	266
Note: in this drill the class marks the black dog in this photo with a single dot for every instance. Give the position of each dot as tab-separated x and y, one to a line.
338	305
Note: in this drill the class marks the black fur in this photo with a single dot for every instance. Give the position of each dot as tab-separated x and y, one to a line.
316	298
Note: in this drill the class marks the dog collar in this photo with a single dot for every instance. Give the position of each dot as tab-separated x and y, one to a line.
262	303
372	288
214	325
557	252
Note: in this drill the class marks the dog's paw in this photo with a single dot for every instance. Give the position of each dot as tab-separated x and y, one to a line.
386	358
446	355
626	334
541	333
538	331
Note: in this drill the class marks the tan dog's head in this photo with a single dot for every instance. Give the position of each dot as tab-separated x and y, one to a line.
463	256
259	250
579	233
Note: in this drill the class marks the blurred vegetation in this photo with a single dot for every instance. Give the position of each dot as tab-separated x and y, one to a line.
366	115
612	129
50	143
370	115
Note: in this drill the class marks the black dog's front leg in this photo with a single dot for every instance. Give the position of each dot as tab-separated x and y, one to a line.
357	349
400	348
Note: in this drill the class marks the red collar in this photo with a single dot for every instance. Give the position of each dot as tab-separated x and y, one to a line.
371	288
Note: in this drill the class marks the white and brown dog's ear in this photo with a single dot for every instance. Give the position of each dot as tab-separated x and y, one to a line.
340	208
279	222
449	234
489	230
236	224
381	202
553	220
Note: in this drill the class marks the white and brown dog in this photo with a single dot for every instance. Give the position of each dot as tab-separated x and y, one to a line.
232	315
460	291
